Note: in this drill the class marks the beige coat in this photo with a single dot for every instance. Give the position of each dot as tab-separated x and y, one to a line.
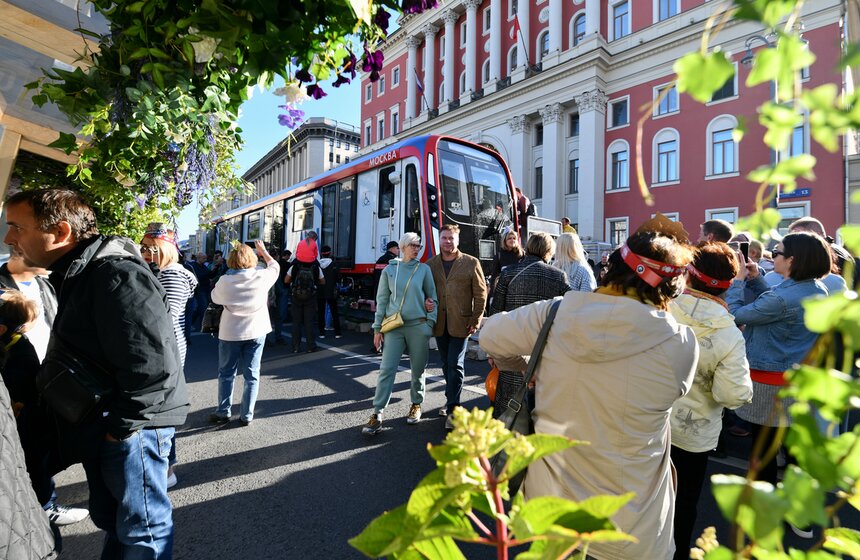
611	369
462	295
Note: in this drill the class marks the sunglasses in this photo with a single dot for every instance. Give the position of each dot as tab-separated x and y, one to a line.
415	245
148	249
776	254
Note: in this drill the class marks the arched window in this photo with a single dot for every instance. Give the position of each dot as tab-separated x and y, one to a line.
441	97
512	59
543	45
618	166
577	30
485	72
665	158
722	156
462	83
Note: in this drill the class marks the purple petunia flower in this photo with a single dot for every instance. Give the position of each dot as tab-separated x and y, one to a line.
350	65
304	76
341	79
417	6
292	118
316	91
381	19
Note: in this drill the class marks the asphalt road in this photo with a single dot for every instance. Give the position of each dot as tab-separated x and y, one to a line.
302	479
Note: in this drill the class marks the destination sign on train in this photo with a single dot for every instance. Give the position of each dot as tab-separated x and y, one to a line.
382	159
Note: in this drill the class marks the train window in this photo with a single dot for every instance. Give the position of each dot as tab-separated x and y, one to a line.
386	192
253	229
455	195
344	248
413	204
303	215
329	211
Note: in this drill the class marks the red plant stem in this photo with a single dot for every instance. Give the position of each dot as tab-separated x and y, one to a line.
480	525
501	527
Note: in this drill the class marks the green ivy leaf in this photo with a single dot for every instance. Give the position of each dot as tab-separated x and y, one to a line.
768	12
539	514
851	233
740	130
443	547
700	75
823	314
780	121
720	553
805	496
381	533
755	506
544	445
761	224
785	172
809	447
843	541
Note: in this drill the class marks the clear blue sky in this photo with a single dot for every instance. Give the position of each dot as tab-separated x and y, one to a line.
261	131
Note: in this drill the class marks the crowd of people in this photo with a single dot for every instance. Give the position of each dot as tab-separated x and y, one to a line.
649	348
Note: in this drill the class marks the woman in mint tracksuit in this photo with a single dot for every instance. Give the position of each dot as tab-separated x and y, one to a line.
392	296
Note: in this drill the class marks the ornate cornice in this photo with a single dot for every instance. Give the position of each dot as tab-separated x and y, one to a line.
519	124
551	114
594	100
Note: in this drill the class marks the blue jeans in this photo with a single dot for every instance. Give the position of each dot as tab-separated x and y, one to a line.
244	355
128	495
452	350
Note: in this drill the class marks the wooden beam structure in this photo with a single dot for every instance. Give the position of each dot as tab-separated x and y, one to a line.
42	36
10	142
50	153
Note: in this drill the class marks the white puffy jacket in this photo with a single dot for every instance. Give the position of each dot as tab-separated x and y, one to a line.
722	376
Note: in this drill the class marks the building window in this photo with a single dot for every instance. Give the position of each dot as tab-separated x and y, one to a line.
573	177
539	182
616	231
381	83
539	135
368	132
368	92
669	102
331	157
512	8
346	146
728	89
395	77
620	20
667	161
798	144
380	133
331	142
462	83
337	158
367	139
723	152
618	166
395	122
574	125
729	215
463	34
346	159
578	29
790	212
487	21
543	45
485	71
619	114
667	9
512	59
337	143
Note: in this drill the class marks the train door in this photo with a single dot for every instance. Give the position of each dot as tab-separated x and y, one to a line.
411	205
301	211
389	214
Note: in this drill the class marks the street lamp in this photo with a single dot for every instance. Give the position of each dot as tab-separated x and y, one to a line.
765	39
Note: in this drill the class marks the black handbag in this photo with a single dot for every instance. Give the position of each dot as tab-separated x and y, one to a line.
74	387
517	416
212	318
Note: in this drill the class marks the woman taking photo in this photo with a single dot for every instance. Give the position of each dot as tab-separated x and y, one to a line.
776	337
722	379
158	249
570	257
614	362
509	253
404	287
243	291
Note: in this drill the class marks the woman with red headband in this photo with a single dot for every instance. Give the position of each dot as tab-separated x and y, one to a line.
614	362
722	378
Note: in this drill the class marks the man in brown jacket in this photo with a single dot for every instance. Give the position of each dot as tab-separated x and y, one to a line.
462	293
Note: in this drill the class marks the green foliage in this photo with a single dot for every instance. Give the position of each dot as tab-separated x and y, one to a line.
157	101
441	509
701	74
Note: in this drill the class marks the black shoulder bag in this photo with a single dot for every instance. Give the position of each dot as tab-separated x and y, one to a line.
212	318
517	416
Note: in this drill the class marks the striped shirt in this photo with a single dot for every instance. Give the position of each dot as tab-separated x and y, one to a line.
179	284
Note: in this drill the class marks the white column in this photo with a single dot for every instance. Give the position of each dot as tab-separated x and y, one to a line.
517	163
471	42
430	31
450	18
555	26
592	162
525	16
495	40
592	17
411	44
553	117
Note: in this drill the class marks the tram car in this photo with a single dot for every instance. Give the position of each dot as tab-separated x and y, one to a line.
415	185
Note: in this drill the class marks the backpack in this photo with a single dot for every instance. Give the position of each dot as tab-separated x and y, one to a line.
304	285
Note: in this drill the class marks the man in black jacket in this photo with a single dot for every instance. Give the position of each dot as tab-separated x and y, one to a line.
112	312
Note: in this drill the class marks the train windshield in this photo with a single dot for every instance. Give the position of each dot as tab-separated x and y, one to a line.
475	189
